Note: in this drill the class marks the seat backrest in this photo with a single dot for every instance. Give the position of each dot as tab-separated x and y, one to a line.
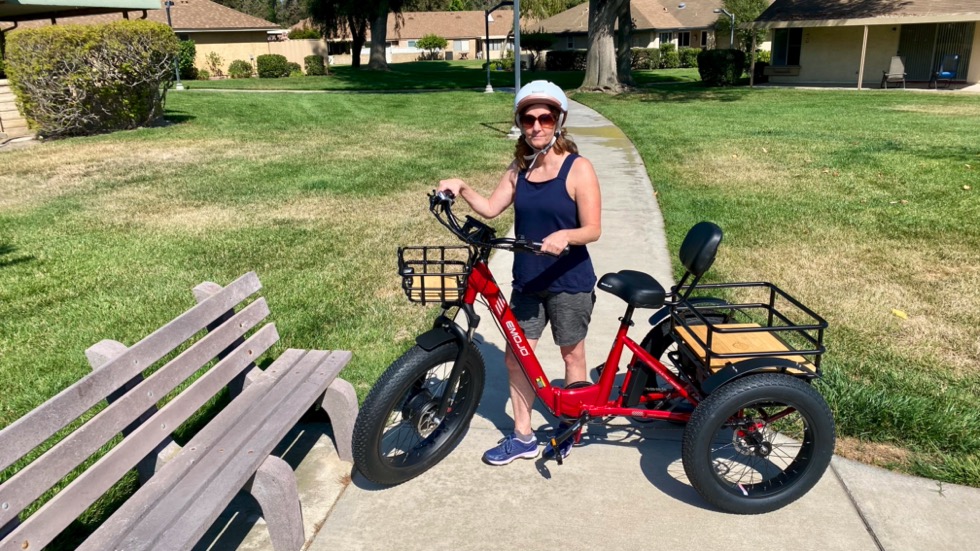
949	64
699	247
897	66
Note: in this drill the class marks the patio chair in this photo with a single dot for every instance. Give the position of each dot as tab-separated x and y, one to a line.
947	70
895	72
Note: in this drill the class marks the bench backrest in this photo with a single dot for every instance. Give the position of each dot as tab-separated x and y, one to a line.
121	378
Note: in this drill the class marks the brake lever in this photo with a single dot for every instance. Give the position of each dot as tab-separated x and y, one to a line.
535	247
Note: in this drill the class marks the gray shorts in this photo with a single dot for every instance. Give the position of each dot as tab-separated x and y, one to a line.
569	314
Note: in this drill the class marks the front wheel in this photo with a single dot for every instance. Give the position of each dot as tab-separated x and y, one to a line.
758	443
397	435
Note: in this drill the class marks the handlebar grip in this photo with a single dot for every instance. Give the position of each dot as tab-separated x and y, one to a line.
535	247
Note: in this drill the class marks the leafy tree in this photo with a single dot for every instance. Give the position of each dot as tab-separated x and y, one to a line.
457	5
744	11
536	41
341	18
432	43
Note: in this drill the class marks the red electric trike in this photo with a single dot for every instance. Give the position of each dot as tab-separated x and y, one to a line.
757	437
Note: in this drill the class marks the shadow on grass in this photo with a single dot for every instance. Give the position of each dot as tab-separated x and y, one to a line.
498	127
6	261
172	116
690	92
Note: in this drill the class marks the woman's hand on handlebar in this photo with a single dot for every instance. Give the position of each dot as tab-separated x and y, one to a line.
453	186
555	244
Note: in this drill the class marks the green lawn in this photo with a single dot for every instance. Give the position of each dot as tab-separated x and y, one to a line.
428	75
861	204
853	201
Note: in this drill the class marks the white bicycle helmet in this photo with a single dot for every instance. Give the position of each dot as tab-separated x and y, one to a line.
541	91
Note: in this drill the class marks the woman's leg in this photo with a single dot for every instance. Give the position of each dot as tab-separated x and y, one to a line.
574	358
521	391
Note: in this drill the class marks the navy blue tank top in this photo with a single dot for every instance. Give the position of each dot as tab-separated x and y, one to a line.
540	209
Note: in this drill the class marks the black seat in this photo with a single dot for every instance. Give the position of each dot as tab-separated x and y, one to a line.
638	289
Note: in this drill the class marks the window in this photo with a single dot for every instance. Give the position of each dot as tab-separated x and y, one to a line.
684	39
412	43
786	46
338	48
461	45
666	38
571	42
704	39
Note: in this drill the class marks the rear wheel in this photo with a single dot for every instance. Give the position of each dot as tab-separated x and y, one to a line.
758	443
397	435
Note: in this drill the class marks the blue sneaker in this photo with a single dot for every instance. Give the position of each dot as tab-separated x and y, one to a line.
509	449
564	448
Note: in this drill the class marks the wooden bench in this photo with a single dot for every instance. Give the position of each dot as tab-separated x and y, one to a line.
183	490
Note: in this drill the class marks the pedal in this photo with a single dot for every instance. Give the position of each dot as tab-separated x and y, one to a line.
573	431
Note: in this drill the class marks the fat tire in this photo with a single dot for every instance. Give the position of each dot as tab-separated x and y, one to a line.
793	481
398	385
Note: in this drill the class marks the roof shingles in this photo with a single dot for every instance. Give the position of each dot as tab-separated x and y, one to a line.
187	15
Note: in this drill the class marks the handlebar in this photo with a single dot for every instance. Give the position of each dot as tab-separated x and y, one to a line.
474	232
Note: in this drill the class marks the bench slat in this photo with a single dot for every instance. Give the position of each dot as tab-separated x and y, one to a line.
25	434
38	530
220	480
32	481
142	503
188	528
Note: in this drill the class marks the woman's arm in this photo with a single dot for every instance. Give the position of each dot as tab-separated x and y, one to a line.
491	207
584	190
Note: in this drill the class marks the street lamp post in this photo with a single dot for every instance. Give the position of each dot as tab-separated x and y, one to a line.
486	44
731	38
179	85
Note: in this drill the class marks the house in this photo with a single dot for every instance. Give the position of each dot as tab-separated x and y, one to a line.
466	32
213	28
685	24
848	42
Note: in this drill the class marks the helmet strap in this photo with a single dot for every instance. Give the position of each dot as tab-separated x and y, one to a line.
537	152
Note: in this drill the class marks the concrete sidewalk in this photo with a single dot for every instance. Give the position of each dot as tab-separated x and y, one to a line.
625	487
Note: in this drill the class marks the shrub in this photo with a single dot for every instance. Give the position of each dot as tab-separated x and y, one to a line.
689	56
760	76
294	69
83	79
721	67
203	74
240	69
185	60
645	58
764	56
314	65
566	60
215	63
3	73
431	42
272	66
306	33
669	58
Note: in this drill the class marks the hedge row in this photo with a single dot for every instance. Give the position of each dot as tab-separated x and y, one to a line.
84	79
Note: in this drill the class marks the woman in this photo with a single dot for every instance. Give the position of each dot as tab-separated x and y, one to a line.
556	199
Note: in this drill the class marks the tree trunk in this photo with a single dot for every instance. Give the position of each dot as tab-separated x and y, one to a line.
600	66
358	33
379	38
624	50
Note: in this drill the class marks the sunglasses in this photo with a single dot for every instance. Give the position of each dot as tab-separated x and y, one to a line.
547	121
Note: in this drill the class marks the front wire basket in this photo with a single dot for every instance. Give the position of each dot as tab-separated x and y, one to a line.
434	274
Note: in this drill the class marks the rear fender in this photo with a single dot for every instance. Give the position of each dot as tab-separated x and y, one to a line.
755	365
